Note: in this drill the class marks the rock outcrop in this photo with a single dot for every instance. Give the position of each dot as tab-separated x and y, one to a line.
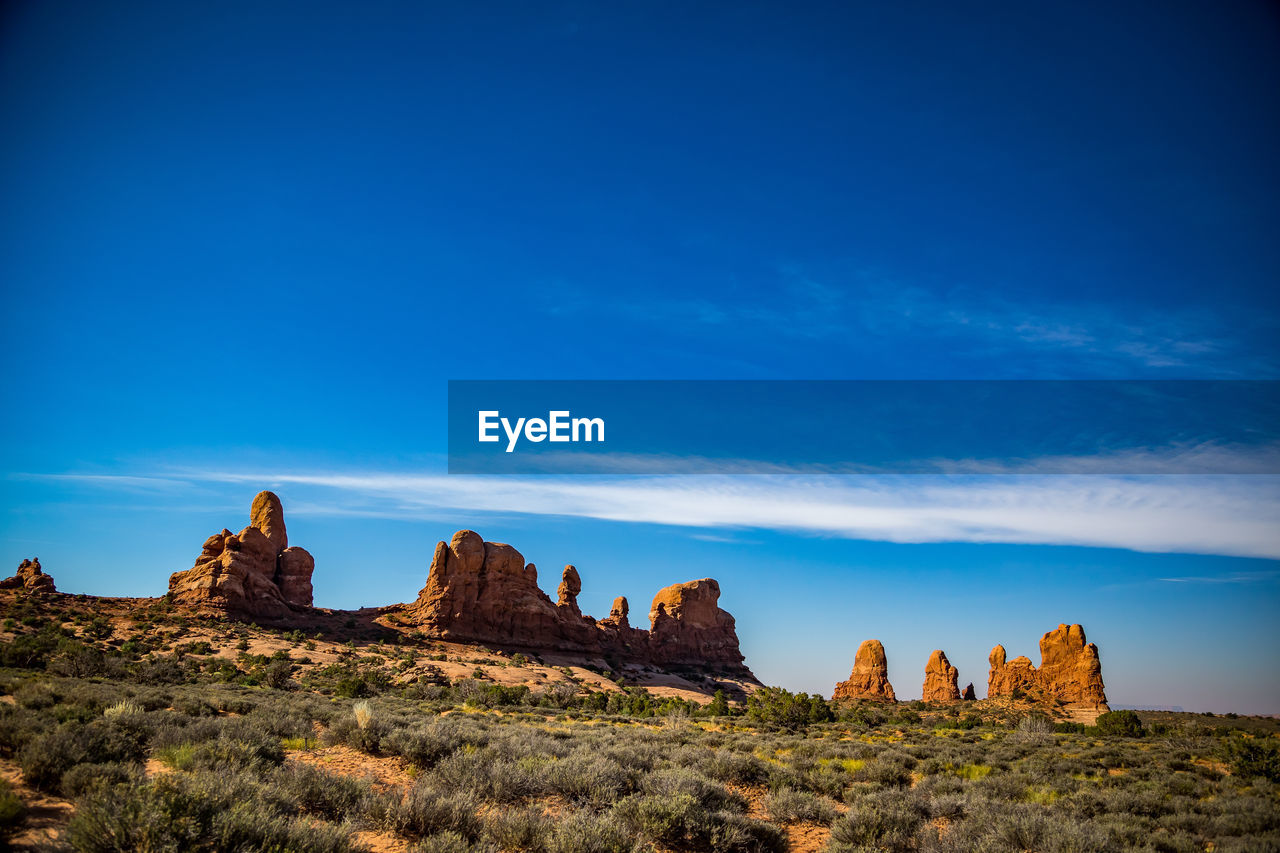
1070	672
688	628
969	695
29	577
1070	669
1009	677
940	679
870	676
570	586
483	592
253	573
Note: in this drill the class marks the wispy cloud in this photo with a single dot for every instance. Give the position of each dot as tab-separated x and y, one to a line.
1233	578
1195	514
863	307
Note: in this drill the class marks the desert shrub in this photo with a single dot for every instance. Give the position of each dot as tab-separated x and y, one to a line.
590	780
882	820
425	811
230	751
346	729
709	795
883	773
725	765
162	670
37	695
316	792
1032	730
12	811
179	812
80	778
17	726
1119	724
452	842
679	820
278	674
1250	757
583	832
519	829
788	806
47	757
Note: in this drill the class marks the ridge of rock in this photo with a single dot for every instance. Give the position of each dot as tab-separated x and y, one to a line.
484	592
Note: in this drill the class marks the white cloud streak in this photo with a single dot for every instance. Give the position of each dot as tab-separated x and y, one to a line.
1236	516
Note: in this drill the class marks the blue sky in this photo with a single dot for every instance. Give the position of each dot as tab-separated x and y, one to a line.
247	246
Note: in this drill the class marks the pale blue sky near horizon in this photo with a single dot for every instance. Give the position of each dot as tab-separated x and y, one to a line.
246	246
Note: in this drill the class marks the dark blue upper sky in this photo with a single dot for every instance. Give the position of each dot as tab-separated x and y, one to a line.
245	234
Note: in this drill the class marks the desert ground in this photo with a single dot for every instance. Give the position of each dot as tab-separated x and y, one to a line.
126	724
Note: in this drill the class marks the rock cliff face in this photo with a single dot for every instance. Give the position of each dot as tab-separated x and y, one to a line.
870	676
484	592
969	695
940	679
1070	672
253	573
29	577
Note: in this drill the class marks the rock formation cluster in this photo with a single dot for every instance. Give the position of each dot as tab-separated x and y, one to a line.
29	577
1069	676
870	676
941	679
1070	672
484	592
253	573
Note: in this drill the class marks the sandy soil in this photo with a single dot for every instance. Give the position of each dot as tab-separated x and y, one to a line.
383	773
46	818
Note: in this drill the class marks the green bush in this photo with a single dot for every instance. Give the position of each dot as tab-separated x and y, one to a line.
1253	756
1119	724
775	706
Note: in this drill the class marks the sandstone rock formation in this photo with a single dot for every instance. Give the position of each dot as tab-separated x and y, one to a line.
688	628
940	679
1070	669
870	676
1018	674
969	695
484	592
1070	672
570	586
29	577
253	573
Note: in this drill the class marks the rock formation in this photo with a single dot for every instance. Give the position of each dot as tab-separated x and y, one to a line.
1070	672
1018	675
253	573
1070	669
870	676
688	628
940	679
479	591
570	586
969	695
29	577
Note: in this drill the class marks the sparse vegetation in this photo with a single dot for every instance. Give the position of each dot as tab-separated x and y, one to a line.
163	749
